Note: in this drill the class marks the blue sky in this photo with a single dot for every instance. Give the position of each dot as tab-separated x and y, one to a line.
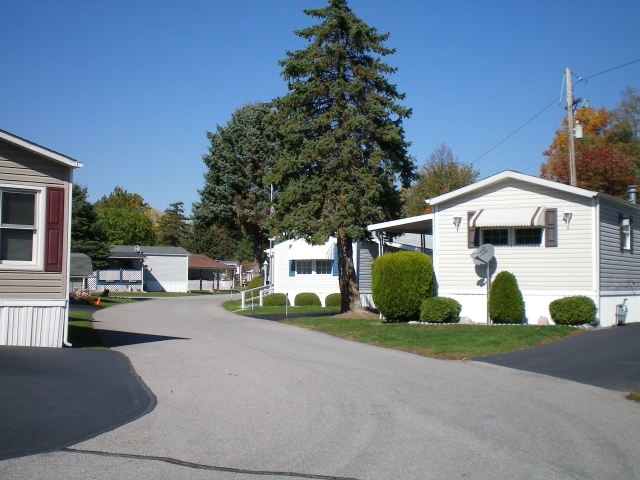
131	87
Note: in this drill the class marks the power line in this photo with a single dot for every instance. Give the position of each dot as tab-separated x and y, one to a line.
554	101
518	129
610	70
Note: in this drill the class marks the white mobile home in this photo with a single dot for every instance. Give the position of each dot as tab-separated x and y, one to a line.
557	240
35	206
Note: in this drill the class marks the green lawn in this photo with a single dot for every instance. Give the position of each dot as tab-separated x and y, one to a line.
234	305
439	341
81	332
635	395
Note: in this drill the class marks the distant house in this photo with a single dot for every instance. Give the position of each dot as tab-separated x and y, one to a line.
144	268
208	274
79	270
35	206
556	239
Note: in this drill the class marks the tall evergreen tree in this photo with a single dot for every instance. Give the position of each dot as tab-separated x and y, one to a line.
234	196
172	226
87	235
344	150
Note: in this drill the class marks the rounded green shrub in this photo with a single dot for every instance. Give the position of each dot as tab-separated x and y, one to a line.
307	299
573	310
333	300
400	282
506	304
275	300
440	310
255	283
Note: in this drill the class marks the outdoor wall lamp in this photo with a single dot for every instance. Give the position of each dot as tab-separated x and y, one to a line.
457	220
567	216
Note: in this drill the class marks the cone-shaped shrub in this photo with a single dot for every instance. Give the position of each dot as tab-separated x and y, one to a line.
440	310
307	299
255	283
505	300
333	300
573	310
400	282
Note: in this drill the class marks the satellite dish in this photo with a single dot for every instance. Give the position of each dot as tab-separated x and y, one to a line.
483	255
136	248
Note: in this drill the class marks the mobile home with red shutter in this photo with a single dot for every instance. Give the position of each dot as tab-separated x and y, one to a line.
558	241
35	231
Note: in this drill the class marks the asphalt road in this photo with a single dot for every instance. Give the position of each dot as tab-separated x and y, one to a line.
51	398
607	358
246	398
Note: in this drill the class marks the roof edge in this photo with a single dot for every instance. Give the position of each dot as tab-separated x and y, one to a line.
40	150
510	174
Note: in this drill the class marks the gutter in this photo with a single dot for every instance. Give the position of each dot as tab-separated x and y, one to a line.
65	339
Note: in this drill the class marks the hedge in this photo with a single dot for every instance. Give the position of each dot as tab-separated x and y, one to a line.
440	310
333	300
275	300
400	282
307	299
255	283
506	304
573	310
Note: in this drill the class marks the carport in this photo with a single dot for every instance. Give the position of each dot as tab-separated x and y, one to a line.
206	273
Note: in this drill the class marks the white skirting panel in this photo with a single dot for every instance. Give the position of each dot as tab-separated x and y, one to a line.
37	324
608	304
536	304
167	286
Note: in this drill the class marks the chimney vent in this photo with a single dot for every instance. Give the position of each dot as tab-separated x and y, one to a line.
632	193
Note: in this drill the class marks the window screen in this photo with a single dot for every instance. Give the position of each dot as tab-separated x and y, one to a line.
528	236
323	267
304	267
496	236
17	225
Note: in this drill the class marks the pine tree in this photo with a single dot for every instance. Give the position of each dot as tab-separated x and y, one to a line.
172	226
343	147
87	235
235	197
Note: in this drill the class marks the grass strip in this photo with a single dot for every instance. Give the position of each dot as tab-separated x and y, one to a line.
234	305
81	332
635	396
452	342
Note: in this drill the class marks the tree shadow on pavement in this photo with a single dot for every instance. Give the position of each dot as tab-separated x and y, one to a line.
115	338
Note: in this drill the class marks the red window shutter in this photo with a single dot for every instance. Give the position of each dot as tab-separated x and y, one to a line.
54	230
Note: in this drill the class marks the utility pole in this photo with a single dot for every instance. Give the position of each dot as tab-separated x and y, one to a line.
572	146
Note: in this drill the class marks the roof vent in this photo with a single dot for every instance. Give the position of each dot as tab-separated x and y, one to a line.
632	193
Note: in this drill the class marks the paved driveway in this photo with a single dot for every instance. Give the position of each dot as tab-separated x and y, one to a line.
607	358
247	398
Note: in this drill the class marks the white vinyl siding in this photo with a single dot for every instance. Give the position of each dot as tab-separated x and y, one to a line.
537	268
367	252
618	269
169	273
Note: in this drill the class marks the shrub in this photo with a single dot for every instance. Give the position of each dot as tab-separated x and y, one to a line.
573	310
275	300
400	282
333	300
105	292
255	283
505	300
439	310
307	299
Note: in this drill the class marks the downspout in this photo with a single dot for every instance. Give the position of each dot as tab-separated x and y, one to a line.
65	339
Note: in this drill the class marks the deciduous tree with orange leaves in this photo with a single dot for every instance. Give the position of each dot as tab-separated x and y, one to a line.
608	155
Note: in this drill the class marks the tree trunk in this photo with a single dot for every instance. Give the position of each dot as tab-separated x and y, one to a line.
347	276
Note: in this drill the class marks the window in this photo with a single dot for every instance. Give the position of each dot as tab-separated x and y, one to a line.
17	225
528	236
512	236
495	236
304	267
625	234
323	267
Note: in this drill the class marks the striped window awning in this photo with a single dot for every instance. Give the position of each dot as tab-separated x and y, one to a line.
508	217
